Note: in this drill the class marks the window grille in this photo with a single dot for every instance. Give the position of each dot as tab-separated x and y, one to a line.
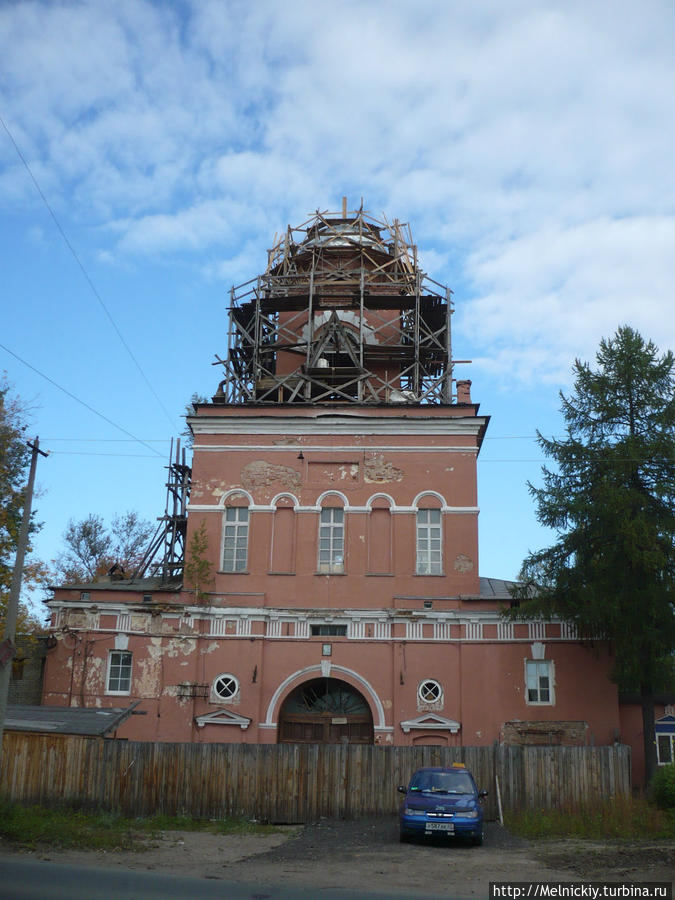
119	672
665	748
331	540
539	681
326	630
225	686
235	540
430	691
188	690
429	557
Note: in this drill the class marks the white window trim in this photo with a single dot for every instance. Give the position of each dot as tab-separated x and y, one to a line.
333	529
218	698
110	692
238	528
667	734
425	700
423	531
551	682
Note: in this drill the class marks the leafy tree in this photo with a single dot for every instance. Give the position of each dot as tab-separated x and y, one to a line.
14	464
92	548
198	568
611	500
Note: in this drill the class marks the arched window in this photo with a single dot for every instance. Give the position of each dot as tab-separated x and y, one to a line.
429	542
331	552
235	534
332	540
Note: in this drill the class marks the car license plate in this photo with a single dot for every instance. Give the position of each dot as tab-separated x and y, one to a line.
440	826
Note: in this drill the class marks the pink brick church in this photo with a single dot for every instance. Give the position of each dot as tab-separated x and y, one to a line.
334	475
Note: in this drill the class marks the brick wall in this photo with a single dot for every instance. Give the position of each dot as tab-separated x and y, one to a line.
25	684
564	734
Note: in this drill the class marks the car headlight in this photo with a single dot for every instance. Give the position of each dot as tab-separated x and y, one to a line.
468	813
409	811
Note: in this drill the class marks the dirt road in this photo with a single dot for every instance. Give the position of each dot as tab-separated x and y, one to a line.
367	855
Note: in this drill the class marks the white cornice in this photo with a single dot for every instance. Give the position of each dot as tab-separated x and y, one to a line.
330	448
332	425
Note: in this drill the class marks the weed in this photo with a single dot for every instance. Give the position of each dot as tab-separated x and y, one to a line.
622	817
31	826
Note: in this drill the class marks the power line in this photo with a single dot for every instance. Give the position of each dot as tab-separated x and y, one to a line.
86	274
81	402
117	455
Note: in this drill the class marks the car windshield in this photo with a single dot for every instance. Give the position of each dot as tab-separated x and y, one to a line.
443	782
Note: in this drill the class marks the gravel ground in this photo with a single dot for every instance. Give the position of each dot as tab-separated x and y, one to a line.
366	855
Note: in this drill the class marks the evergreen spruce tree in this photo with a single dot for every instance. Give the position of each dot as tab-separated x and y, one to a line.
611	499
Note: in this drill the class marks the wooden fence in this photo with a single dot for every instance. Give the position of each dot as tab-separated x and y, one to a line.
289	782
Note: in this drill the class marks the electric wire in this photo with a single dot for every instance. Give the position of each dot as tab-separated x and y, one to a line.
86	274
117	455
81	402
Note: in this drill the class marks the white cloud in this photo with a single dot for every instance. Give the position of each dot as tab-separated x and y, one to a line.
548	297
528	144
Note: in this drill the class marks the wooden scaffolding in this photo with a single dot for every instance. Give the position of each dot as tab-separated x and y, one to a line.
342	314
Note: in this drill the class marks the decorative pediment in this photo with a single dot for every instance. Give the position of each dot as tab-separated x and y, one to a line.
223	717
431	722
665	725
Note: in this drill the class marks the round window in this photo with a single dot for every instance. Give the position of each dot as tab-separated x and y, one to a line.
430	691
225	687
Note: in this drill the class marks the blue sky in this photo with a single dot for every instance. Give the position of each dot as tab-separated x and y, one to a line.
528	144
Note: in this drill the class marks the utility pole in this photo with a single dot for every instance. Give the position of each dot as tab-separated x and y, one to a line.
7	648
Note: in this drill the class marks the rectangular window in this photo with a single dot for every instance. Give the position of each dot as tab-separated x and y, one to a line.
539	681
334	630
235	539
119	672
332	540
429	557
665	748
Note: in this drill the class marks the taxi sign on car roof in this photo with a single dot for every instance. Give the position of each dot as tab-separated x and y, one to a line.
458	766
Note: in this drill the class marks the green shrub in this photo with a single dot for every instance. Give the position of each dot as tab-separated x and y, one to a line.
662	787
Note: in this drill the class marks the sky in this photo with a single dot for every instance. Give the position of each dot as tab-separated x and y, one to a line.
150	151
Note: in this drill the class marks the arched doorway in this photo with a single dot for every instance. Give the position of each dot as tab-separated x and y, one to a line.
325	711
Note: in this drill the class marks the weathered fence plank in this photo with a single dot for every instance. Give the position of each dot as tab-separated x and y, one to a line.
290	782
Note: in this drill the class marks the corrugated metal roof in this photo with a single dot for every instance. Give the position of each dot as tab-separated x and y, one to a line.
495	589
67	719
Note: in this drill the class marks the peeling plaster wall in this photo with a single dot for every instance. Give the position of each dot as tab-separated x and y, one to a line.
377	470
260	476
462	563
94	682
482	681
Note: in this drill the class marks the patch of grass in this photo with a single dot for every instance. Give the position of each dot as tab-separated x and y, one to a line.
246	826
238	825
33	826
629	818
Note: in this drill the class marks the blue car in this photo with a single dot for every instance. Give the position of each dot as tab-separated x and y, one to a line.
442	802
